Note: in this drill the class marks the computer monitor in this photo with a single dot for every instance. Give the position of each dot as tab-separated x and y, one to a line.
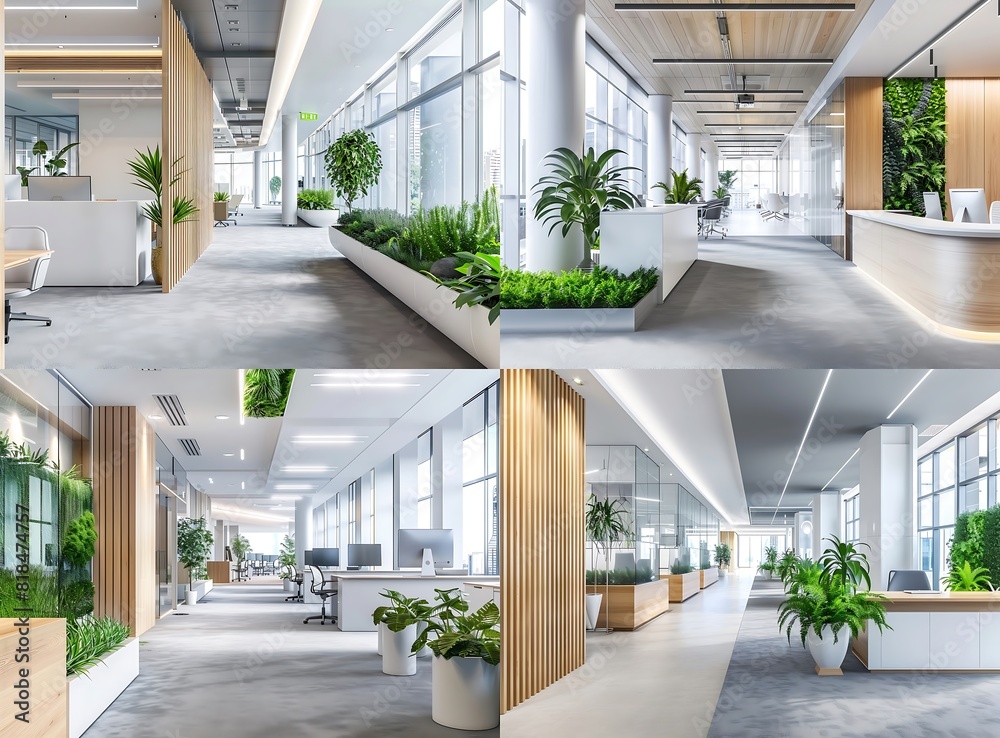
326	557
932	206
308	557
364	554
69	189
412	543
969	206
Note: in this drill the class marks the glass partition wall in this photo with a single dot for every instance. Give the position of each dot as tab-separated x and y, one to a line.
690	530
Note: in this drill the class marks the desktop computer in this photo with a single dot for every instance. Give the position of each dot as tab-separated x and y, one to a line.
427	548
59	189
364	554
969	206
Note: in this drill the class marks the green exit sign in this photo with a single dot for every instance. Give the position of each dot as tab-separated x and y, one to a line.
308	116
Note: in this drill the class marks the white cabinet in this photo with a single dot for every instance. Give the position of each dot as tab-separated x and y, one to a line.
989	640
906	645
954	640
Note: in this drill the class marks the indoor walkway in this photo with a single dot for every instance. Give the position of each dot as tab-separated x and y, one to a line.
245	650
662	680
262	296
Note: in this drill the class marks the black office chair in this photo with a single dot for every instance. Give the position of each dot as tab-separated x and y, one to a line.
903	579
324	590
710	221
242	570
296	578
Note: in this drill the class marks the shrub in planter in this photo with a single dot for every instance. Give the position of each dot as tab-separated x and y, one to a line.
601	288
315	200
89	639
353	164
400	621
679	567
723	556
194	546
77	600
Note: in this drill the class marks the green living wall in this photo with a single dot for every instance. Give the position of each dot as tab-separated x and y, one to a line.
914	137
977	541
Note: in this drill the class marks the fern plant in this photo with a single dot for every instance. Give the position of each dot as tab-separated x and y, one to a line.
786	565
266	391
825	603
602	288
967	579
682	188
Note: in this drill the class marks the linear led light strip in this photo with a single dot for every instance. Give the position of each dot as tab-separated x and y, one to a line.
70	5
297	21
940	37
88	96
805	437
827	485
908	394
89	85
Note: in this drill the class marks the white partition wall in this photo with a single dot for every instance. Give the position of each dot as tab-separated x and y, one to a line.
826	519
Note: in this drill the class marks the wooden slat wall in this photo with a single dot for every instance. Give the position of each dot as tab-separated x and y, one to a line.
187	134
863	143
973	138
125	508
543	448
729	536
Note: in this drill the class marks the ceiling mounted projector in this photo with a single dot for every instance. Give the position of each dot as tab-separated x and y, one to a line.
744	100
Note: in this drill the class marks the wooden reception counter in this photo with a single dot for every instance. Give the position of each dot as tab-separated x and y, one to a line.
948	271
947	631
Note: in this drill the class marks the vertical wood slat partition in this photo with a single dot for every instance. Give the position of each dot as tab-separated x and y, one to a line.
862	148
188	111
973	140
542	499
125	508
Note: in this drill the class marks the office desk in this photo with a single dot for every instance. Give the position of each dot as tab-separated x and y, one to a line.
948	271
479	592
950	631
13	259
358	592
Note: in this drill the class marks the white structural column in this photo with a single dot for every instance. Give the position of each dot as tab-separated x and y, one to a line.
258	188
826	509
802	535
555	43
693	154
660	145
289	169
303	529
888	499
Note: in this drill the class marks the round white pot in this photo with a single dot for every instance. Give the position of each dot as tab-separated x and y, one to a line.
426	650
593	609
465	693
826	653
191	597
722	572
288	584
767	575
381	634
396	657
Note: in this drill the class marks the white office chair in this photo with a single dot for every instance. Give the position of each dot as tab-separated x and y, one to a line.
25	280
775	207
995	213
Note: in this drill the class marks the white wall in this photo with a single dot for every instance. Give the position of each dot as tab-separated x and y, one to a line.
110	133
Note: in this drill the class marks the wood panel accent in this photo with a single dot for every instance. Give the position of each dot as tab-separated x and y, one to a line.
125	507
543	449
188	111
220	572
971	155
49	698
630	606
684	586
729	536
35	63
863	143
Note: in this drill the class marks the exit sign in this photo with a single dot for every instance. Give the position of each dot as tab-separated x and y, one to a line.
308	116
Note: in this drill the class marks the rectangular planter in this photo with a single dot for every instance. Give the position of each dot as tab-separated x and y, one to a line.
467	327
709	576
92	692
201	586
579	320
630	606
319	218
683	586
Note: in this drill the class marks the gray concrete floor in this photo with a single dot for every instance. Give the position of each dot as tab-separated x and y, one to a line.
764	301
262	296
241	664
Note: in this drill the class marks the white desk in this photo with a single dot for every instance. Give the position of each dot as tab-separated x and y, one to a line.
479	592
95	244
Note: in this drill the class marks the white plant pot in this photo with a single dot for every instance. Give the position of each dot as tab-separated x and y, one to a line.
289	585
767	575
593	609
722	572
426	650
381	635
826	653
319	218
191	597
465	693
396	657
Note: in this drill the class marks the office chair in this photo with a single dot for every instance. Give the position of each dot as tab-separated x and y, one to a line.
727	209
775	207
995	213
234	207
710	221
902	579
242	571
25	280
296	577
324	590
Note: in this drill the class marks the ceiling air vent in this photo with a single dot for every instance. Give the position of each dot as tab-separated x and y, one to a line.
172	409
190	446
932	430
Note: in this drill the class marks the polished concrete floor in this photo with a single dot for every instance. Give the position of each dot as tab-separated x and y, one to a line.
766	297
261	296
662	680
241	664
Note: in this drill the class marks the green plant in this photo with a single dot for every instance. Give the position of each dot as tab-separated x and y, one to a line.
991	542
194	546
453	632
479	283
25	172
826	603
579	189
402	612
315	200
353	164
727	179
723	555
39	598
147	169
967	543
807	573
80	539
786	565
58	161
846	564
682	188
240	547
607	523
89	639
770	562
265	392
274	186
221	197
679	567
601	288
286	556
967	579
914	139
77	599
720	193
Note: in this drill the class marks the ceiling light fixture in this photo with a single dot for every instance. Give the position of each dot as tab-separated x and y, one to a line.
293	486
286	497
940	37
86	85
76	5
241	382
229	454
243	485
155	417
765	62
922	380
825	486
303	469
222	417
371	376
734	92
243	455
742	8
92	96
329	439
349	385
805	437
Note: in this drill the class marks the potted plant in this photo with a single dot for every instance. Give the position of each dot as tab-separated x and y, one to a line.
966	579
465	676
727	180
353	164
607	522
194	546
274	187
286	561
57	162
723	557
682	189
240	547
399	622
315	207
770	562
786	566
220	207
578	190
25	172
825	602
147	169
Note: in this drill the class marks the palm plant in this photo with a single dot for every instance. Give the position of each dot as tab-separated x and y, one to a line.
579	189
147	169
846	564
607	522
720	193
682	188
770	562
786	566
967	579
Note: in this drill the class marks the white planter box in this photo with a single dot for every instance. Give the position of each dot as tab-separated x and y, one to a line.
92	692
468	327
201	586
319	218
580	320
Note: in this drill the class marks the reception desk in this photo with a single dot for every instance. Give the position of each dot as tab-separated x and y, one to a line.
95	244
948	271
949	631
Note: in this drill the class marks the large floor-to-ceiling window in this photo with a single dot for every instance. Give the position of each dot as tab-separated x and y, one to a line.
480	488
234	173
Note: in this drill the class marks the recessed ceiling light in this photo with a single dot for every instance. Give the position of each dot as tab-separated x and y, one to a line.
293	486
222	417
307	468
646	450
577	380
211	481
236	44
229	454
286	497
243	485
156	417
329	439
243	455
233	22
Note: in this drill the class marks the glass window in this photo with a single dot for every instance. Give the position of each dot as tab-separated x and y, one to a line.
679	149
384	97
852	519
946	467
436	60
975	496
383	195
975	453
491	30
480	513
946	508
436	166
614	120
425	493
